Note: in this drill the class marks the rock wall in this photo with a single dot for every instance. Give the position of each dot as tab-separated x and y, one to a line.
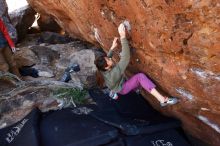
22	19
19	97
175	42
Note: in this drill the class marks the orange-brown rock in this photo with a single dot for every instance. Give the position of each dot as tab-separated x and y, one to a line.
175	42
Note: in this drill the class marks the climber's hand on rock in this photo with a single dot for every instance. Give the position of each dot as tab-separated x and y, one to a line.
14	50
114	43
122	31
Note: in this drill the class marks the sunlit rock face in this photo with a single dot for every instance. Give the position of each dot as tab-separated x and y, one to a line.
175	42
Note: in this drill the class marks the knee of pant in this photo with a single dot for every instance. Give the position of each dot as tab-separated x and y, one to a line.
141	75
4	67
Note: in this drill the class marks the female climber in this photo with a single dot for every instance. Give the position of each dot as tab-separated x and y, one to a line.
112	75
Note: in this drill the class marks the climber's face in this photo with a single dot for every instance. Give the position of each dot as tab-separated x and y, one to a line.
109	63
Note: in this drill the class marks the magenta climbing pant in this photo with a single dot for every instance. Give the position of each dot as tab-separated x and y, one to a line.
136	81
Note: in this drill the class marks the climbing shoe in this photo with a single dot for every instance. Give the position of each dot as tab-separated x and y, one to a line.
170	101
113	95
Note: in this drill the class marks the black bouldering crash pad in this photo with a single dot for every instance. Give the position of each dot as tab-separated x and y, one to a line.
150	122
131	126
134	105
23	133
65	128
103	102
128	121
119	142
164	138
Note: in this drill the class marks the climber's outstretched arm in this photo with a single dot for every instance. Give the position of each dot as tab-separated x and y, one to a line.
114	45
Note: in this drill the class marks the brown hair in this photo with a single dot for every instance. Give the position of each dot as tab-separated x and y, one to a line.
100	63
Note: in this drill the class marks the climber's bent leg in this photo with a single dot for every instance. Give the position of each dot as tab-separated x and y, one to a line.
136	81
142	80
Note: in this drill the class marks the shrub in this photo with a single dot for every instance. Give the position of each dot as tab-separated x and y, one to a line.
70	96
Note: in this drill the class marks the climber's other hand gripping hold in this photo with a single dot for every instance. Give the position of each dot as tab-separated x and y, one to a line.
114	43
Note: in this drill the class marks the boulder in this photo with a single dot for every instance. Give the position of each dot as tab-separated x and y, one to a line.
175	42
23	19
47	23
56	58
19	97
26	57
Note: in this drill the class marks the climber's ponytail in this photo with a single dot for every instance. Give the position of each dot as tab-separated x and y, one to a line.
100	63
100	79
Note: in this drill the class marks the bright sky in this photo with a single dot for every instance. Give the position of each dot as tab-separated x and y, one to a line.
15	4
